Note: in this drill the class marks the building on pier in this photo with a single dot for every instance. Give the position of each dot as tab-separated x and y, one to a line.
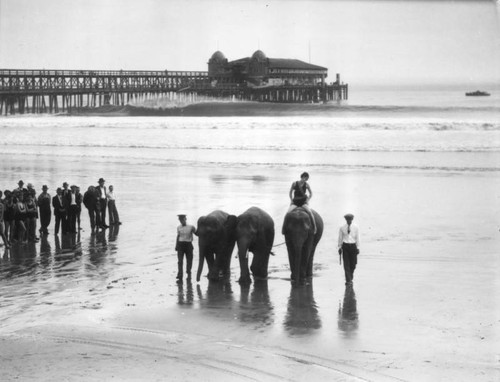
259	70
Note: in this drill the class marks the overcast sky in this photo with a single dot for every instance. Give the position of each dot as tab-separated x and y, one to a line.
365	41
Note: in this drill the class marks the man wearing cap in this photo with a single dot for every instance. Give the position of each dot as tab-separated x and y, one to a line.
44	208
102	205
348	247
184	246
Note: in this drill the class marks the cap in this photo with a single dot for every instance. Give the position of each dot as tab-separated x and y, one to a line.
44	187
349	216
20	182
30	185
101	180
181	216
65	183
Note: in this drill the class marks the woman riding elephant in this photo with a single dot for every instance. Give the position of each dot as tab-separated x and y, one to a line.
254	233
301	241
216	240
300	193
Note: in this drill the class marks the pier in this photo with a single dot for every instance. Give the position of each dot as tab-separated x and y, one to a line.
56	91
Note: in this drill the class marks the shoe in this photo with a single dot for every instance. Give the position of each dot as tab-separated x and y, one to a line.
119	223
105	226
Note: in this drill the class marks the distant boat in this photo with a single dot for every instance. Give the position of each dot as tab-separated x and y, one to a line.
477	93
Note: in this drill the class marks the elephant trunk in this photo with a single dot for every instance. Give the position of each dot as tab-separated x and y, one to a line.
243	247
200	264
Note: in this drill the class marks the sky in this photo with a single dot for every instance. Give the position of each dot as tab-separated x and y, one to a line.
366	41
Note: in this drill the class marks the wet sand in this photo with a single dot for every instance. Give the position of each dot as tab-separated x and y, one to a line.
423	306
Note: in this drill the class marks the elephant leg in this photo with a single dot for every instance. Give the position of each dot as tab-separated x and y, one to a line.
213	267
306	256
310	262
260	263
291	258
225	265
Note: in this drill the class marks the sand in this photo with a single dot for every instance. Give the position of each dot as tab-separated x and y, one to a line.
424	306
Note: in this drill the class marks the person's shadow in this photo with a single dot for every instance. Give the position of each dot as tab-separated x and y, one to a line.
348	318
302	316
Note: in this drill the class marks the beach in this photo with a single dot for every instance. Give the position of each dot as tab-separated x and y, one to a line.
99	307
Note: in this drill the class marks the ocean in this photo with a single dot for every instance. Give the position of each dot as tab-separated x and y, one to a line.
420	170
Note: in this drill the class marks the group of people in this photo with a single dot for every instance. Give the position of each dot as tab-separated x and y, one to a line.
21	208
300	193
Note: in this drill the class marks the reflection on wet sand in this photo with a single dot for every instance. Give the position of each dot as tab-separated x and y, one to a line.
302	316
348	320
256	306
22	260
113	232
185	296
219	295
61	257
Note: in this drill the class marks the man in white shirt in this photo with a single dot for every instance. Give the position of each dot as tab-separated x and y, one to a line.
348	247
114	218
184	246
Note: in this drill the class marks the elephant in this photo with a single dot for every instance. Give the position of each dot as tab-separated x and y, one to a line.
216	240
301	242
254	233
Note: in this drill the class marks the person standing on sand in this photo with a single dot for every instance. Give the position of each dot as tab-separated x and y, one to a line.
102	193
20	217
60	210
9	216
72	209
113	212
348	247
300	193
2	224
31	217
79	201
90	201
44	200
184	246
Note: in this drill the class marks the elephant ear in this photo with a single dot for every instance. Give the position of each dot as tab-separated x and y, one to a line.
201	221
230	226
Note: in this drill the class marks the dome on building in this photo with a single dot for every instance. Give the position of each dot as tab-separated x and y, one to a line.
218	56
259	55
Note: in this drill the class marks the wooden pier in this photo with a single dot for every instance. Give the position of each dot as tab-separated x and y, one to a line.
56	91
